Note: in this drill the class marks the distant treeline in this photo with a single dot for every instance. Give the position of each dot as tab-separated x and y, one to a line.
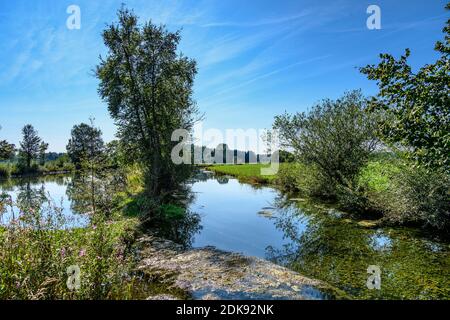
222	154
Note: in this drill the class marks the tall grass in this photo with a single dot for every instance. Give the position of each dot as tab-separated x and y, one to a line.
38	245
245	172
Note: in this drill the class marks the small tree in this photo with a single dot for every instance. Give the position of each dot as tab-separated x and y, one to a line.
419	104
29	146
85	142
337	136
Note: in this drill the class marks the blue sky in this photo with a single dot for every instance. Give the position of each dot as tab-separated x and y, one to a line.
256	59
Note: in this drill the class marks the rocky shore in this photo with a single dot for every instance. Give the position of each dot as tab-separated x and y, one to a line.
209	273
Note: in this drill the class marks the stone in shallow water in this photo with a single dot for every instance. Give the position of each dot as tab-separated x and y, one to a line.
266	213
367	223
162	297
297	199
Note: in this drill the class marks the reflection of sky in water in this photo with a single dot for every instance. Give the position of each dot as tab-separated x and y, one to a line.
237	217
55	192
380	241
433	246
335	213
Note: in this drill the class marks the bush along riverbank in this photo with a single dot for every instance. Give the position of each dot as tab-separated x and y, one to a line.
14	170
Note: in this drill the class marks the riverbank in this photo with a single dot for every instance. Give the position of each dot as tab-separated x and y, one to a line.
12	170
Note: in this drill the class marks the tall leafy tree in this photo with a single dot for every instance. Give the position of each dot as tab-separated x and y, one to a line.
147	85
418	104
85	142
29	146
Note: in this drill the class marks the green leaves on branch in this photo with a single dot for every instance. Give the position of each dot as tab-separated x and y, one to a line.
6	150
418	104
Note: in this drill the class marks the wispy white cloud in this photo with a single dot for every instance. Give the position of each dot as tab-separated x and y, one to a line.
230	92
258	23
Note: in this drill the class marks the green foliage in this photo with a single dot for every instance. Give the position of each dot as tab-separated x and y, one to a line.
5	171
377	175
418	104
61	164
336	136
286	156
147	85
42	149
304	180
171	211
6	150
86	141
405	194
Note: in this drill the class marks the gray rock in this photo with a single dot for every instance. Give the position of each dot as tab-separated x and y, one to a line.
210	273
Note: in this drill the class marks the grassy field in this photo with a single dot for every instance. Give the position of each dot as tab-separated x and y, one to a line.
245	172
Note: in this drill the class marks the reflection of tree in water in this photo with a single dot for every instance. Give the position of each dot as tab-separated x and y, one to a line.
36	208
222	179
76	193
201	175
180	228
86	190
29	197
337	251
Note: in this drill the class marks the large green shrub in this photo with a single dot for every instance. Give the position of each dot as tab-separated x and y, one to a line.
419	196
337	137
404	193
303	179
